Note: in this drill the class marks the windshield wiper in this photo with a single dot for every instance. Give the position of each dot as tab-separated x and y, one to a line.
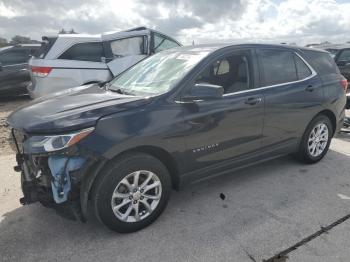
105	85
119	91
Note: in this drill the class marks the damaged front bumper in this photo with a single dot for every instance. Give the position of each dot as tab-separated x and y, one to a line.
59	180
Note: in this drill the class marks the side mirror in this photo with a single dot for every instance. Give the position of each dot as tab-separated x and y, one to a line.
343	63
204	91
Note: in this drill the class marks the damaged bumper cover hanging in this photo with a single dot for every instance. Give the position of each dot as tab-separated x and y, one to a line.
60	179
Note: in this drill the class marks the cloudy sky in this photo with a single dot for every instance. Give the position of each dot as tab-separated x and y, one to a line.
299	21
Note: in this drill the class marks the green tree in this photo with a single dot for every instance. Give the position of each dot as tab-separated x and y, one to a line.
3	42
18	39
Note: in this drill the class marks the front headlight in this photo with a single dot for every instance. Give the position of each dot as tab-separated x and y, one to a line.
42	144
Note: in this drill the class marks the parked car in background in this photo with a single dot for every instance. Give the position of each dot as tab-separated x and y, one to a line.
342	59
180	116
341	54
68	61
14	74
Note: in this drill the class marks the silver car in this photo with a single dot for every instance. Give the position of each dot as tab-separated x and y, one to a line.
71	60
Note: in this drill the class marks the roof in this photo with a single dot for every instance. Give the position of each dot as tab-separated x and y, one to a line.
336	46
19	45
29	45
214	47
4	48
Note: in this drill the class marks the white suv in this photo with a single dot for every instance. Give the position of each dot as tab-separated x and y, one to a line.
71	60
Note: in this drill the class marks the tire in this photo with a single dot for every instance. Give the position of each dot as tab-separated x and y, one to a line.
113	180
307	154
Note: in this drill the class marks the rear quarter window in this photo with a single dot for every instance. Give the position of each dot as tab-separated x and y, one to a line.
322	62
303	70
92	52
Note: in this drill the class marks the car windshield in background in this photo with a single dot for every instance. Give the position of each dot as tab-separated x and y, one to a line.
157	74
333	52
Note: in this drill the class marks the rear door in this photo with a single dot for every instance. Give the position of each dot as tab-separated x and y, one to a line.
125	50
14	75
293	95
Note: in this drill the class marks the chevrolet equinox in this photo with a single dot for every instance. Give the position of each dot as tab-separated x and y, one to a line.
180	116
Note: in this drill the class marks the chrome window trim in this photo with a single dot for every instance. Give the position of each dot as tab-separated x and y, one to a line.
313	74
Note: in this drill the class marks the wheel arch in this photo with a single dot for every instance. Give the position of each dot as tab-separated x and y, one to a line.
331	117
162	155
157	152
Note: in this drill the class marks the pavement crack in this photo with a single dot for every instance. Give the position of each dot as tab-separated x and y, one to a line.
282	256
250	256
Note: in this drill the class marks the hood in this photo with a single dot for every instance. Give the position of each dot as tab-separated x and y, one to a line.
77	109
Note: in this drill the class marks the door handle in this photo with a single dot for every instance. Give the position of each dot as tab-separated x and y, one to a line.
253	100
309	88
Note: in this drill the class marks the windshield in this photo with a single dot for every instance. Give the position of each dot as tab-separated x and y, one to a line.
157	74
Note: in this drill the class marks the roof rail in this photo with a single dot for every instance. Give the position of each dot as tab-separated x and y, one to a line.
136	29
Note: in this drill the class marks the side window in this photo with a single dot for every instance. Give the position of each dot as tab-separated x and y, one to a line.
84	52
222	67
303	70
128	46
322	62
161	43
14	56
231	72
344	55
277	66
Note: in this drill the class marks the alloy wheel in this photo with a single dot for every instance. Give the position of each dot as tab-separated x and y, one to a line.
136	196
318	139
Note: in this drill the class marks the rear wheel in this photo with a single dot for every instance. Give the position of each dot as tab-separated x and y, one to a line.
131	193
316	140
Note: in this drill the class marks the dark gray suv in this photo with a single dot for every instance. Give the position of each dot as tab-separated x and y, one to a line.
14	74
180	116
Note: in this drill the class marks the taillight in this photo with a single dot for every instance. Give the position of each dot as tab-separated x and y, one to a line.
344	84
41	71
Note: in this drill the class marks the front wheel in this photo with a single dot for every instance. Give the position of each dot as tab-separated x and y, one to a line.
316	140
131	193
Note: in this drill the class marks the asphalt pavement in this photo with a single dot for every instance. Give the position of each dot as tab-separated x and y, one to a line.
266	209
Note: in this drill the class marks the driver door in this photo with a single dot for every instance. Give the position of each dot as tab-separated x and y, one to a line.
223	129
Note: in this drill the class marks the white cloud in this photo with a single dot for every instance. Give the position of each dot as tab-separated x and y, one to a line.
300	21
291	21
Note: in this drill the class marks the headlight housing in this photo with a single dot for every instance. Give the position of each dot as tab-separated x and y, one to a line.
42	144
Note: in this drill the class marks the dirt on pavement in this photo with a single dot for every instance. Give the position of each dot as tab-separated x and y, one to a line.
6	107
